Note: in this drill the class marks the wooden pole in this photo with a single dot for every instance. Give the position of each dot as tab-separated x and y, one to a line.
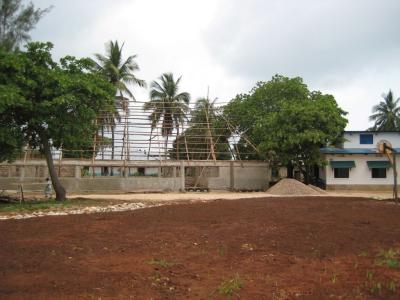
396	199
151	137
202	170
210	137
94	148
187	150
231	128
392	157
22	199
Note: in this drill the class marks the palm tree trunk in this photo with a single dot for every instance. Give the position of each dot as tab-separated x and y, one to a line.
58	188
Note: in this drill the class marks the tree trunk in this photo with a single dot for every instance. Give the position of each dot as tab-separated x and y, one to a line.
58	188
289	170
306	175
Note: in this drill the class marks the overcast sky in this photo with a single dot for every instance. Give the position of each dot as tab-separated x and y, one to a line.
350	49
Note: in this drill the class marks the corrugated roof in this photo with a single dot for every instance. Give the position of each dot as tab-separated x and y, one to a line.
364	131
352	150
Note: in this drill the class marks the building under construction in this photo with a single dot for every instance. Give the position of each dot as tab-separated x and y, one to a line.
139	150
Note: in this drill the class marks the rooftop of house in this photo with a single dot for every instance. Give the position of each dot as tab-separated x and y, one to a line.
329	150
370	131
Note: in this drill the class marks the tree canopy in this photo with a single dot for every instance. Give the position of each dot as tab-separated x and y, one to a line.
287	122
41	101
16	22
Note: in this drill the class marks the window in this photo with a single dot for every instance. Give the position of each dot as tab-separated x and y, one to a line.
366	139
341	172
378	173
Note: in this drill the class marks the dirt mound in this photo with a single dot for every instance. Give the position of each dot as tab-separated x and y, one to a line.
290	186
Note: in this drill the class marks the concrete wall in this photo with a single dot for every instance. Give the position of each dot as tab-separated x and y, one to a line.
251	177
360	177
353	139
77	175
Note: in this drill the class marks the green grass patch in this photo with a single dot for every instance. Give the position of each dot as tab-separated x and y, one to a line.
37	205
231	286
389	258
161	263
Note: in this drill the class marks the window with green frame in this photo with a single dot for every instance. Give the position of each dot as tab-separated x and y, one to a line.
341	172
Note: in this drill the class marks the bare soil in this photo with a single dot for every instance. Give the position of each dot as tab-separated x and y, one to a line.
266	248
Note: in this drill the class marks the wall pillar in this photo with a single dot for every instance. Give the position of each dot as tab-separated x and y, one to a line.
78	172
174	172
182	175
232	176
22	173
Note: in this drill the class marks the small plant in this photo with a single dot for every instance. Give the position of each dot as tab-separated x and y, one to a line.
231	286
363	253
388	258
221	250
392	286
334	278
370	275
317	253
375	287
160	262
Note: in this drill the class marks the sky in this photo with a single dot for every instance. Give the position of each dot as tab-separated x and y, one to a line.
350	49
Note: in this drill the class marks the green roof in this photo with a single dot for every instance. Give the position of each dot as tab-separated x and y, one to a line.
378	164
342	163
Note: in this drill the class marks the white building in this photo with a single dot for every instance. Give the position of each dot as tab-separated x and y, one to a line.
358	164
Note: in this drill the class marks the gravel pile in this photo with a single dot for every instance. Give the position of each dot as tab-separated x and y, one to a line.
288	186
315	188
79	211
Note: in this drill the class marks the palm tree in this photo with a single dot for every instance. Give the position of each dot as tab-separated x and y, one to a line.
386	114
120	73
168	106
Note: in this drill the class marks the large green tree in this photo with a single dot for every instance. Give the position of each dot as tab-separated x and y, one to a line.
16	20
120	73
286	122
245	109
168	106
49	104
386	114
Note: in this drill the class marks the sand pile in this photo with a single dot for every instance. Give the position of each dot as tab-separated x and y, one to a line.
290	186
319	190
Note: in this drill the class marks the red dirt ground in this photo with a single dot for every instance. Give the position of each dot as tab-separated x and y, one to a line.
278	248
